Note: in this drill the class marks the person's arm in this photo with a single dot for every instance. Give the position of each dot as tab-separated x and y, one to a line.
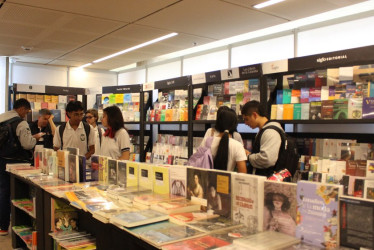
52	124
124	144
57	140
125	155
91	151
200	192
26	139
219	202
241	166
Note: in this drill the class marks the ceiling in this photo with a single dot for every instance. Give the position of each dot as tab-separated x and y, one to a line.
76	32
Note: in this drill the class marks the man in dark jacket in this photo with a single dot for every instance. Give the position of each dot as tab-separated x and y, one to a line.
44	125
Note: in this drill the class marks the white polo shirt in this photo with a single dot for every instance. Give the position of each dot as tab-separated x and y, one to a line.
113	147
74	138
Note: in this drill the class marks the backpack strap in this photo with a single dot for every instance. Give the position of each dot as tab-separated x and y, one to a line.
87	130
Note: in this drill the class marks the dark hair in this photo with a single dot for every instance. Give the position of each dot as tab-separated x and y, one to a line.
45	112
226	120
74	106
22	103
115	118
269	201
93	112
253	106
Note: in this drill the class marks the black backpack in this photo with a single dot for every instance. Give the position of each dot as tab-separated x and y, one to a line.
288	156
87	130
9	143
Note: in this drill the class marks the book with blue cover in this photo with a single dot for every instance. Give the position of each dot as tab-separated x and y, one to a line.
138	218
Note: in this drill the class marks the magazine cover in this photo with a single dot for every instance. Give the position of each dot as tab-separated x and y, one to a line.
178	180
280	207
197	182
317	215
121	174
63	216
94	167
112	172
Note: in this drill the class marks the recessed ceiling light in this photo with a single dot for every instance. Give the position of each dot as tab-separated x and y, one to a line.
267	3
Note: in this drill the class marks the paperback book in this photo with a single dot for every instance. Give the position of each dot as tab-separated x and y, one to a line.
138	218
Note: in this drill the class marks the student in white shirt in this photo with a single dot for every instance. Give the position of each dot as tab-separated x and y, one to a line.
227	152
91	118
235	135
74	134
116	141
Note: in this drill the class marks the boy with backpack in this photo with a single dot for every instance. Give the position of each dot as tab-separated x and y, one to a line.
273	151
16	143
75	133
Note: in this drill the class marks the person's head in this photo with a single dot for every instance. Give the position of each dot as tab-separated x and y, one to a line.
22	107
277	201
226	123
112	118
44	115
92	116
196	178
213	191
74	110
73	223
253	113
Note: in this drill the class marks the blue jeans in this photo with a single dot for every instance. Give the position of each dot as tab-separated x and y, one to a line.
4	196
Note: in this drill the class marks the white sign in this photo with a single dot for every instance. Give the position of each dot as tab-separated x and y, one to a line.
227	74
275	67
198	78
30	88
148	86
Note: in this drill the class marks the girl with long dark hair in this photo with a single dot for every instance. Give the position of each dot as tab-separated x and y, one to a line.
116	141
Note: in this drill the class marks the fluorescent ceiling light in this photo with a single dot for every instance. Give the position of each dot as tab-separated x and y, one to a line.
130	66
266	4
288	26
136	47
85	65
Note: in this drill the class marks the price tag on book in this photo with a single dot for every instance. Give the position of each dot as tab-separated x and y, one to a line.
148	86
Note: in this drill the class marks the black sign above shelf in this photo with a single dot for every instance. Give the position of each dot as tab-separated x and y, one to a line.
122	89
175	83
56	90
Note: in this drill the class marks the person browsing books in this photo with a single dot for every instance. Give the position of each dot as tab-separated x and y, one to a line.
20	153
116	141
265	152
228	153
91	118
211	131
75	133
44	125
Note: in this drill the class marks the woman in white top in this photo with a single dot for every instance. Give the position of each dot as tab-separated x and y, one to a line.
235	135
115	142
227	152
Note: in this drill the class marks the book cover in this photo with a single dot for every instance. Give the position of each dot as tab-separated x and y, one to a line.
273	114
321	78
300	81
112	172
288	111
315	111
280	111
318	213
121	174
332	76
295	96
368	108
327	110
175	206
197	182
305	108
163	233
279	96
247	204
355	108
178	180
94	167
84	170
356	223
324	93
145	176
287	96
63	216
138	218
214	224
62	165
304	95
132	170
161	179
369	189
187	217
280	207
340	109
314	95
103	169
297	111
267	240
73	161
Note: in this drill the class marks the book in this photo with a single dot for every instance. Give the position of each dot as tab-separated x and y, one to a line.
103	169
178	180
162	233
247	203
280	207
304	95
145	176
175	206
368	108
305	107
161	179
138	218
315	111
84	169
267	240
327	110
369	189
355	108
297	111
95	167
356	222
340	109
132	169
112	172
318	213
187	217
73	161
121	173
62	165
288	111
214	224
63	216
197	182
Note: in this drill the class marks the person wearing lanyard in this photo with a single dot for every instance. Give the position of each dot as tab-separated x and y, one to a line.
116	141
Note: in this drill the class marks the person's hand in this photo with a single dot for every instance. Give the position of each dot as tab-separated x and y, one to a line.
51	117
38	135
247	152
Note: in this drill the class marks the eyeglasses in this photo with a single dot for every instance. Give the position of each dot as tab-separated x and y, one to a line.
89	117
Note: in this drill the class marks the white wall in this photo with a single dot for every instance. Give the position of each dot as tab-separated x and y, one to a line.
164	71
3	84
88	78
205	63
23	73
132	77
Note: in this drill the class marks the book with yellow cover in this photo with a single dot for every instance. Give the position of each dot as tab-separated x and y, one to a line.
62	165
132	172
161	180
169	115
287	111
119	98
145	176
103	169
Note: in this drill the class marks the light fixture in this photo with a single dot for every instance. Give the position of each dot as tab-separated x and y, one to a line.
136	47
266	4
129	66
85	65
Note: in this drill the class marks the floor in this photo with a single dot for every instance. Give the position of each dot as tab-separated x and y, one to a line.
6	242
